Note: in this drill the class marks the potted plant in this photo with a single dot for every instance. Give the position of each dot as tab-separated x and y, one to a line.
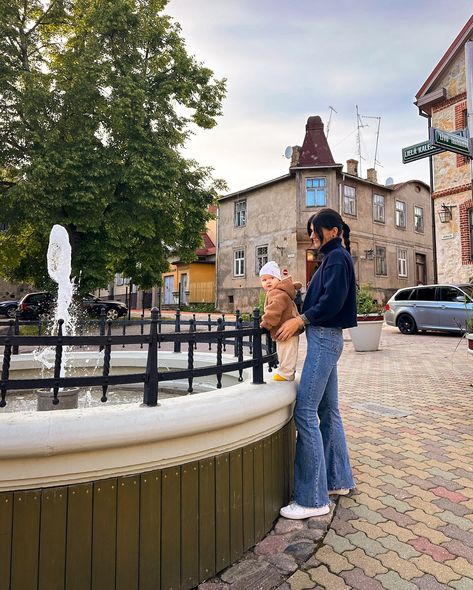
366	336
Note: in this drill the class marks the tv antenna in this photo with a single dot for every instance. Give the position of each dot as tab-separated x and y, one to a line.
375	160
332	110
359	125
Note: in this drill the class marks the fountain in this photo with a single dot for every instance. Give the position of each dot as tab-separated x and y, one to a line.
150	497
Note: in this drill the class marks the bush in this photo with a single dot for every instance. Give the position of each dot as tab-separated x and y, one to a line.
200	308
365	301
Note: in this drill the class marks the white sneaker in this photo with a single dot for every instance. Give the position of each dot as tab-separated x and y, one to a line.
296	512
340	492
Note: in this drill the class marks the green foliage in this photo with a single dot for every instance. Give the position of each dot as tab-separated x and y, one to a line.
469	325
98	99
365	301
200	308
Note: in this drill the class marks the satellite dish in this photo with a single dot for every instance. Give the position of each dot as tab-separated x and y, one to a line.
288	152
389	181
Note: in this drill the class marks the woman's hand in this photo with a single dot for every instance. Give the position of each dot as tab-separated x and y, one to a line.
289	329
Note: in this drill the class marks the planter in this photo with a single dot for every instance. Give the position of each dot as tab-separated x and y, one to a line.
469	340
365	337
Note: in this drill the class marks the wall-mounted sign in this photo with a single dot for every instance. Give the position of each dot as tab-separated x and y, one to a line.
447	236
451	142
418	151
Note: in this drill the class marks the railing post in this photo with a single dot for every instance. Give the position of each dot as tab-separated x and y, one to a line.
190	353
235	342
177	328
16	349
257	349
219	352
102	320
150	396
6	365
58	362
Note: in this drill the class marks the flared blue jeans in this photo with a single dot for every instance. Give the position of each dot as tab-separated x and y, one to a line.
322	462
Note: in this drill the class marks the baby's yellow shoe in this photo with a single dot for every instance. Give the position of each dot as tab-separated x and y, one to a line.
278	377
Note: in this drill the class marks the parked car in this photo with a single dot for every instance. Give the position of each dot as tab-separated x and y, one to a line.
8	308
444	308
38	305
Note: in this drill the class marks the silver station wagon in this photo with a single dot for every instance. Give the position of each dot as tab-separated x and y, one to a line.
430	307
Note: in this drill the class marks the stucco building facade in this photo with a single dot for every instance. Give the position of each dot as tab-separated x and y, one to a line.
442	99
391	237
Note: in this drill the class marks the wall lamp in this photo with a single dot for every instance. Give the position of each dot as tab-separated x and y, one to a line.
369	254
445	213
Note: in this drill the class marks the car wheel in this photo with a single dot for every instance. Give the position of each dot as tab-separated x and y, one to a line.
406	324
112	314
11	312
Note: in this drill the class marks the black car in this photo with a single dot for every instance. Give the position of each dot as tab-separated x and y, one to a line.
8	308
40	305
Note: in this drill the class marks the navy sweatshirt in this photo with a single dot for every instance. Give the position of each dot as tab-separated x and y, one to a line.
330	300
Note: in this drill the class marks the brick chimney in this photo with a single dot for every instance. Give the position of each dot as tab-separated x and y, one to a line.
296	151
352	167
371	175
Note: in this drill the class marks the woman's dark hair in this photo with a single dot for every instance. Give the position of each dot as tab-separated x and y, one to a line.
328	219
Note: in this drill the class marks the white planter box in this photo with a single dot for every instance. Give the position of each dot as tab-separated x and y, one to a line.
366	335
469	338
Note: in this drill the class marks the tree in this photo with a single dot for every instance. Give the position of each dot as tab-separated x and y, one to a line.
97	98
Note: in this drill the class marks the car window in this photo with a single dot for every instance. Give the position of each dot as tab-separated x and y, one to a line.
37	298
450	294
424	294
468	290
403	295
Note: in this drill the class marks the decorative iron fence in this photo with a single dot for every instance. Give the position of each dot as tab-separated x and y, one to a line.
241	335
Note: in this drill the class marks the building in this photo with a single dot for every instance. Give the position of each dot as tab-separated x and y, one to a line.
391	237
442	99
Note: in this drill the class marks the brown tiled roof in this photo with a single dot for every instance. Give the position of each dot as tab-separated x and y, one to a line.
315	151
208	248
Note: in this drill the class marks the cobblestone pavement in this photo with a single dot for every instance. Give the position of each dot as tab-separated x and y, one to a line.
409	524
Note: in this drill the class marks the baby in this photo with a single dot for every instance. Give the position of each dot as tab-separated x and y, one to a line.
279	306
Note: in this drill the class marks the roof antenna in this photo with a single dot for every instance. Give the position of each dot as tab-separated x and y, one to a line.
359	125
375	160
332	110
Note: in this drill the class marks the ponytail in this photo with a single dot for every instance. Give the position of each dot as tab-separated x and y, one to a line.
346	236
328	219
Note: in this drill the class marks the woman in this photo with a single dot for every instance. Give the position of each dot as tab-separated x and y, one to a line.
322	465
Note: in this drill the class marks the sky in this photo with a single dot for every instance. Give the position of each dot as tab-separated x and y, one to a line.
286	60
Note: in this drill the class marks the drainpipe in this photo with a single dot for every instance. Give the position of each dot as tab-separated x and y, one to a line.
432	204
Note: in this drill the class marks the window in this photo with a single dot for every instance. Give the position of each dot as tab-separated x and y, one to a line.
424	294
380	258
261	257
315	192
240	213
452	295
418	219
349	200
401	214
378	208
3	226
119	280
239	263
404	295
402	262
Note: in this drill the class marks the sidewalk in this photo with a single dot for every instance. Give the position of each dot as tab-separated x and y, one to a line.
408	415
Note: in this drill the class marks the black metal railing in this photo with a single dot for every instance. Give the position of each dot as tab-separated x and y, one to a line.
238	334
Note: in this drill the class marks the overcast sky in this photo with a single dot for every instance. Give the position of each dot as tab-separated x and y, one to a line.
286	60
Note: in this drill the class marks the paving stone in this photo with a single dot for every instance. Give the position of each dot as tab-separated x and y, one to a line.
435	535
398	493
460	522
441	572
402	520
457	508
391	528
299	581
427	507
286	564
253	574
320	522
461	566
392	561
284	586
454	532
393	581
367	514
370	546
335	562
404	550
271	545
357	579
428	582
300	551
305	535
371	530
213	586
453	496
421	483
370	566
286	525
435	551
443	483
322	576
462	584
430	520
342	527
338	543
395	481
458	548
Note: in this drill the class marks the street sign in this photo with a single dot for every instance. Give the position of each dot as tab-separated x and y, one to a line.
449	141
418	151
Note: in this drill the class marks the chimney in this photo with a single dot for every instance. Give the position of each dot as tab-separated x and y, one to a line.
352	167
296	150
371	175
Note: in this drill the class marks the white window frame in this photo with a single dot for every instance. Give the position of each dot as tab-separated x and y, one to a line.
402	262
379	209
401	214
349	200
380	261
322	181
420	217
239	262
240	209
261	258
